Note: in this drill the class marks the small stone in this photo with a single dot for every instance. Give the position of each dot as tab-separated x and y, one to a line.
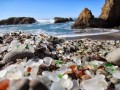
109	76
47	61
85	59
101	71
114	56
56	86
77	60
37	85
17	54
14	74
111	87
1	40
28	36
95	83
8	39
114	80
85	77
45	81
116	74
75	85
89	73
66	83
26	74
3	49
19	84
2	73
2	65
41	51
117	86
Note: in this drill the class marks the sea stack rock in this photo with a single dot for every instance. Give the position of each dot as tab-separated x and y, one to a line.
17	20
62	20
109	18
84	20
111	12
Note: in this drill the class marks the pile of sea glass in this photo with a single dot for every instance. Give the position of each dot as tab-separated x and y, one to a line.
41	62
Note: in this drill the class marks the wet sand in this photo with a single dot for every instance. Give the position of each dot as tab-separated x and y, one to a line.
111	36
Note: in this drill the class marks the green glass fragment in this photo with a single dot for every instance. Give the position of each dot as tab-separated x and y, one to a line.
79	66
105	54
110	69
108	65
27	46
59	62
59	76
17	46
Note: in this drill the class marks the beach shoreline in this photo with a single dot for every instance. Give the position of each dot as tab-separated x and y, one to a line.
109	36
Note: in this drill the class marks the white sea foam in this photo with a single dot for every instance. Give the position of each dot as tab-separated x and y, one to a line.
46	21
59	30
88	34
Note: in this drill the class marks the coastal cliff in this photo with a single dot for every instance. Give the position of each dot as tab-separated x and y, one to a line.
17	20
109	18
111	12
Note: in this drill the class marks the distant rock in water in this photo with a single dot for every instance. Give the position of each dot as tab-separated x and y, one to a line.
17	20
62	20
109	18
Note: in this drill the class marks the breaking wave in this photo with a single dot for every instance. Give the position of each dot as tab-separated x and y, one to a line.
46	21
48	26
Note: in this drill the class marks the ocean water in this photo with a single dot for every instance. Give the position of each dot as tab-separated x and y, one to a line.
47	26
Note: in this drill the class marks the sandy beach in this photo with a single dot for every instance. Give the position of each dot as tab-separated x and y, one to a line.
110	36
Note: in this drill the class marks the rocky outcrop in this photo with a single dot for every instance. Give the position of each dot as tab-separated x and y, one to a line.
17	20
23	51
62	20
109	18
84	19
111	12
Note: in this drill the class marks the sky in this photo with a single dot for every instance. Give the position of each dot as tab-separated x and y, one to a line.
44	9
